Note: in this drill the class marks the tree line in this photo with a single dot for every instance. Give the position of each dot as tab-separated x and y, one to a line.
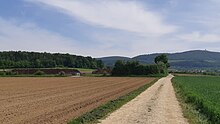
22	59
127	68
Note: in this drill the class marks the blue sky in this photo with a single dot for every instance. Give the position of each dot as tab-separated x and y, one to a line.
109	27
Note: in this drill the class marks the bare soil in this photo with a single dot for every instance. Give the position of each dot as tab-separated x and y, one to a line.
156	105
58	100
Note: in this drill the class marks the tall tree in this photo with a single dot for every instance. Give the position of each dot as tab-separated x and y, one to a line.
162	58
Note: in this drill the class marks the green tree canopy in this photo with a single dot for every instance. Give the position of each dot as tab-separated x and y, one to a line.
19	59
162	58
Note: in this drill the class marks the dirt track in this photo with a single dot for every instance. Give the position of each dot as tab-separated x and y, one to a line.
157	105
58	100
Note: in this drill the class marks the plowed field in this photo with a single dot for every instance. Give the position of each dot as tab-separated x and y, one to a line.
58	100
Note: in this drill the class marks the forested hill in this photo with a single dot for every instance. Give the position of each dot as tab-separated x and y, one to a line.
110	61
18	59
196	59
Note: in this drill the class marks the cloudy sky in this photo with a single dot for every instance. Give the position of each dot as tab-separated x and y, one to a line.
109	27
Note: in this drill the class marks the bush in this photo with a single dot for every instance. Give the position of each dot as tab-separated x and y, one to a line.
11	73
62	73
2	73
128	68
39	73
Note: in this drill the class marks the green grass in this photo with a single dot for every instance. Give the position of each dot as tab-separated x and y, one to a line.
200	97
5	69
92	75
32	75
80	69
150	75
102	111
85	70
88	72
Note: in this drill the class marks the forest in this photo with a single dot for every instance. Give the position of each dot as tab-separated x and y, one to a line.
22	59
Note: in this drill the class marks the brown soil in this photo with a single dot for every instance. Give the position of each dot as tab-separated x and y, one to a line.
156	105
58	100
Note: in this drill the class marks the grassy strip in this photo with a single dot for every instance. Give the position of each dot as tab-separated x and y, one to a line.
102	111
103	75
30	75
92	75
190	110
150	75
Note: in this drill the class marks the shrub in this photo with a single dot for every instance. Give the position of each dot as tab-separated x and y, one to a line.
11	73
2	73
39	73
62	73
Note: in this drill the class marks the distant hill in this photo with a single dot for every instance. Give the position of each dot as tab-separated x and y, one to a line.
196	59
110	61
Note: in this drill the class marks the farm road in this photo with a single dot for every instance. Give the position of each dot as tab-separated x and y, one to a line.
156	105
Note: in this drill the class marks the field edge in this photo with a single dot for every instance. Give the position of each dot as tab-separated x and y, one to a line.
189	110
104	110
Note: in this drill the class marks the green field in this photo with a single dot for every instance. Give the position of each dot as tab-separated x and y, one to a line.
203	92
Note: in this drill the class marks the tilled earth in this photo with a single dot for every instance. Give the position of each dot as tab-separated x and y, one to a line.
58	100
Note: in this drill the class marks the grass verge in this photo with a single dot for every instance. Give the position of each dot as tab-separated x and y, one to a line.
150	75
31	75
189	110
103	110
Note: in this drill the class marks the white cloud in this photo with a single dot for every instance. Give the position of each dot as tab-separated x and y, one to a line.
199	37
116	14
29	37
132	45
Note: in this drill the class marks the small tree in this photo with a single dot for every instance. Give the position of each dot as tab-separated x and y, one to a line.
162	58
39	73
119	68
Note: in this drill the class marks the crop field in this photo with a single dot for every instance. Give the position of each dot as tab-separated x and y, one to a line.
58	100
203	92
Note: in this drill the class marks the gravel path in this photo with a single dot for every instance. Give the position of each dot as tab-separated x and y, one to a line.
156	105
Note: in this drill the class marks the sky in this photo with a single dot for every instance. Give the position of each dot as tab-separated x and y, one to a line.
101	28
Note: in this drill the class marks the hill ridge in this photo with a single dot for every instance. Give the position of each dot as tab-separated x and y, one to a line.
193	59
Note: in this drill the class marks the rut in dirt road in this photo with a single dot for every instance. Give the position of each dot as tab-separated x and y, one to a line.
156	105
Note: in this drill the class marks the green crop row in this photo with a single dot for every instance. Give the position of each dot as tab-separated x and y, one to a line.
203	92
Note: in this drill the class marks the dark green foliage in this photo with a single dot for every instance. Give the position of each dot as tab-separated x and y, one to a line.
2	73
162	59
129	68
20	59
203	92
62	73
7	73
39	73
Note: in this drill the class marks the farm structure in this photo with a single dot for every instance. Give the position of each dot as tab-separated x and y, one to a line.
58	100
